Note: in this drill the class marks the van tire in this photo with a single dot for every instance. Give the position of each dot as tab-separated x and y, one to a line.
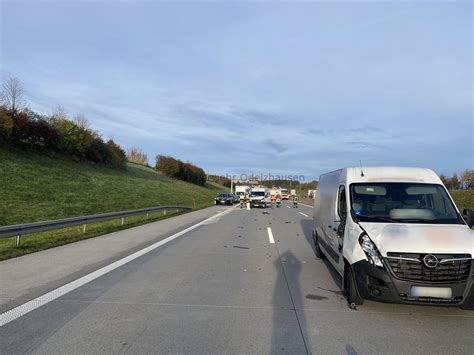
353	297
317	249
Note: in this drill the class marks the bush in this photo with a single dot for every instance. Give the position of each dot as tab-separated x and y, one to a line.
34	133
115	155
97	151
42	135
6	125
73	140
21	128
176	169
58	134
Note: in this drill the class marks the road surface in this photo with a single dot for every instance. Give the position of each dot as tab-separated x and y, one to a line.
244	282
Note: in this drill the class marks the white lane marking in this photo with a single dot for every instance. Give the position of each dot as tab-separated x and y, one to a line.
248	206
27	307
304	214
270	236
304	204
288	207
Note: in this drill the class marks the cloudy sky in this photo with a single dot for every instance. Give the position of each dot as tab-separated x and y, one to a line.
256	87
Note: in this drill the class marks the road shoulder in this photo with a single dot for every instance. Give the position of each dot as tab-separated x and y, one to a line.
29	276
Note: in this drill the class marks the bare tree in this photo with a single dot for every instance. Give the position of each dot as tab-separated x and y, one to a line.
81	120
13	94
444	179
59	112
136	155
453	182
468	177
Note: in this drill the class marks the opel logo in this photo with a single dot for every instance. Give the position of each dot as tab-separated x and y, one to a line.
430	261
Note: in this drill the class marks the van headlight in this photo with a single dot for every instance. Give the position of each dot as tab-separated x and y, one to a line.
370	250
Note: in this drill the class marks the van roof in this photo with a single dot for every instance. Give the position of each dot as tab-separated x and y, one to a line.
390	174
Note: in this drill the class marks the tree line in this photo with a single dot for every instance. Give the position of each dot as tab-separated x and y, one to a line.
176	169
56	134
461	181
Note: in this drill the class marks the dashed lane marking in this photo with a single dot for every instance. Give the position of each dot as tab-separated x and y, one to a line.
270	236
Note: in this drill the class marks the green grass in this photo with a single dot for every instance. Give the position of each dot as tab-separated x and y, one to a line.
35	187
463	198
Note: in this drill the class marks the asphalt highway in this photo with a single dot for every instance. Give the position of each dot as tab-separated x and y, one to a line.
246	281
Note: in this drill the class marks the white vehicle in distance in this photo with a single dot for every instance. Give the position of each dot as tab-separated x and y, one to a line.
394	235
284	193
260	197
242	190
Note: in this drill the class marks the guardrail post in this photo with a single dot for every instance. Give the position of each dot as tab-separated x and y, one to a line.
84	228
164	213
18	240
123	220
147	215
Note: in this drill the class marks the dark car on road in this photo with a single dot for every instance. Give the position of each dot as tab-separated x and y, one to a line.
224	199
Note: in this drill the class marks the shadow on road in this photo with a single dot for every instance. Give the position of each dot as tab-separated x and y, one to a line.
307	227
285	338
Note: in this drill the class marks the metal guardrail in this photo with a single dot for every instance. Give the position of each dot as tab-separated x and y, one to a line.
28	228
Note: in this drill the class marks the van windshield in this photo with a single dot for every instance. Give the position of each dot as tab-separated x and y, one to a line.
402	203
257	193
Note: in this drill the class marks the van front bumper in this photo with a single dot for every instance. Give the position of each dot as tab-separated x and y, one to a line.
377	284
258	203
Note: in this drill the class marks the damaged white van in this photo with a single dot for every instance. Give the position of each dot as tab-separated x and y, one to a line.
394	235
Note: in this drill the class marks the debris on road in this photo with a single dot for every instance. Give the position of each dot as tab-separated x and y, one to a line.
315	297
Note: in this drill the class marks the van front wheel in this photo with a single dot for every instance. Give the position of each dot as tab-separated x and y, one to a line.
353	296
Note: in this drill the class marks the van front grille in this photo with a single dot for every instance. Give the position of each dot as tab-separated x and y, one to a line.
410	266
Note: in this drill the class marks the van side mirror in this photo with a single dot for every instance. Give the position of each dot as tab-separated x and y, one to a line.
468	216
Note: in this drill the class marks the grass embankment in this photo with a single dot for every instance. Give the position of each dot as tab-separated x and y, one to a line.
34	187
463	198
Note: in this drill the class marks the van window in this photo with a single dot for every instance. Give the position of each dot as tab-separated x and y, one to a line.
402	202
341	203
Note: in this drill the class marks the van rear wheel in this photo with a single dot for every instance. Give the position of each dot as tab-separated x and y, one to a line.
317	249
353	296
